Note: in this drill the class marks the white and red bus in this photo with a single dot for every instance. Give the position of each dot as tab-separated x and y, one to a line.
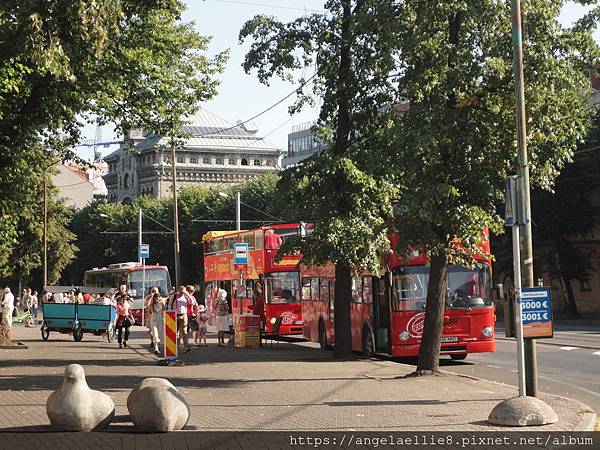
280	279
387	313
138	279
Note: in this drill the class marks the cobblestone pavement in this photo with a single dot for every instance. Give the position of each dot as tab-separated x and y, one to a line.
289	386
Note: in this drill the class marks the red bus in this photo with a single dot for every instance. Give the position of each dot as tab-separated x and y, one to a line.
132	275
387	313
280	279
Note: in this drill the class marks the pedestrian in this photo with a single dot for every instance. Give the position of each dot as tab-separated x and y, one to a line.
8	302
259	308
156	307
87	297
122	295
124	320
192	318
34	304
26	299
148	313
180	302
222	313
272	240
202	318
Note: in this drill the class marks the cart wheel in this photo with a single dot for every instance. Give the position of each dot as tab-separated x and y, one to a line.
109	332
45	332
30	322
78	334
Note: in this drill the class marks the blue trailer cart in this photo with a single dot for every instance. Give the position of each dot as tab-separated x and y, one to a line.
74	318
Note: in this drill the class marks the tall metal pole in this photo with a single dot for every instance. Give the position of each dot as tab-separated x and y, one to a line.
175	213
237	212
140	236
45	235
518	310
530	351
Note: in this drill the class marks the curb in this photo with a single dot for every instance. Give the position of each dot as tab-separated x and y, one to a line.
587	421
538	341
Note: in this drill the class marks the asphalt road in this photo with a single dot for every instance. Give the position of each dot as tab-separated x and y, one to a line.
568	365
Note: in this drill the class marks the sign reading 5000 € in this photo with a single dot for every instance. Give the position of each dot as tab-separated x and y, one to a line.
536	310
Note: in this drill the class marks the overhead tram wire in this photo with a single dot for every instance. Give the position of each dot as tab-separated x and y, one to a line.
266	5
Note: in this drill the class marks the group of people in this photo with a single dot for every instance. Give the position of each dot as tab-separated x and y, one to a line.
27	302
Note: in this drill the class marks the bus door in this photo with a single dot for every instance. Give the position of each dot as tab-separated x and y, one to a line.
381	314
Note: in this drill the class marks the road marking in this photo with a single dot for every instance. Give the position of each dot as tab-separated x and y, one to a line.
568	348
596	353
497	367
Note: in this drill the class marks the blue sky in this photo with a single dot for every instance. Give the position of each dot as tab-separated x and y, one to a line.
241	96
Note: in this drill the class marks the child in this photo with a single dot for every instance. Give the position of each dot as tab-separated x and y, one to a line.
202	318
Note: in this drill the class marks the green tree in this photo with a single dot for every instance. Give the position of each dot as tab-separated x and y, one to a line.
352	48
131	62
455	142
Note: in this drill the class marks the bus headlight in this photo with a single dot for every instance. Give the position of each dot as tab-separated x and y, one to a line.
273	320
487	332
404	336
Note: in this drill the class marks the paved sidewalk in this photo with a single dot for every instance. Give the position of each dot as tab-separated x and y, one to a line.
291	386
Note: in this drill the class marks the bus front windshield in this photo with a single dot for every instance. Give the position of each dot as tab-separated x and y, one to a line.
154	278
283	287
465	289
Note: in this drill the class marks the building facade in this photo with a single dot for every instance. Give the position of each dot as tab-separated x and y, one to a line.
216	153
73	185
302	143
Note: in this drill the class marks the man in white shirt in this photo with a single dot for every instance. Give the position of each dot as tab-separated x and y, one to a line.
8	302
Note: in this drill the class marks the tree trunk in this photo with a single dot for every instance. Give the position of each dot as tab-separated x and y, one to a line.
343	329
429	352
570	303
343	83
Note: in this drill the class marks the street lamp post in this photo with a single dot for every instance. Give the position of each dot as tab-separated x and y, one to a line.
175	214
45	235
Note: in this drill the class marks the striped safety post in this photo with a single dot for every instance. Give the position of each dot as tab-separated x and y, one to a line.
170	335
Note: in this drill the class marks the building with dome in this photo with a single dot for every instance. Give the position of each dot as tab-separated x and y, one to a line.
216	153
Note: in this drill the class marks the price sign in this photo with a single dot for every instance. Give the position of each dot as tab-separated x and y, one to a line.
536	310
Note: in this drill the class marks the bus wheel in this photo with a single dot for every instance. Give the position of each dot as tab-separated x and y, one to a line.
323	336
367	342
78	334
459	357
45	332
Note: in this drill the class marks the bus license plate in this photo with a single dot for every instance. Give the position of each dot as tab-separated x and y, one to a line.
449	339
298	322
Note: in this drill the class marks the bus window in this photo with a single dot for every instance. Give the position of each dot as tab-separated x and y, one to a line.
331	299
357	290
306	289
367	290
154	278
258	244
314	289
248	238
283	287
324	289
410	288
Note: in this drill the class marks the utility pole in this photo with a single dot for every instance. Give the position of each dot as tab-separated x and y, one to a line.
45	234
175	213
140	236
237	212
527	276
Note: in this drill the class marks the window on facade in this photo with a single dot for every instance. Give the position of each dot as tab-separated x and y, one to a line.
231	162
180	159
244	162
257	162
584	285
126	181
219	161
269	162
205	161
193	160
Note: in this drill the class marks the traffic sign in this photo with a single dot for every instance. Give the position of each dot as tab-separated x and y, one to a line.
240	254
144	251
536	310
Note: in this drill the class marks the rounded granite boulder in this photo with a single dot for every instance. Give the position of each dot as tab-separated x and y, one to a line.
76	407
156	405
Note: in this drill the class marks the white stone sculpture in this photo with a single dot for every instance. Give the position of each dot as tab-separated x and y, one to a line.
156	405
76	407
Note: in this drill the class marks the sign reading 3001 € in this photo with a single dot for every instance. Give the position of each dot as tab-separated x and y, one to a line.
536	309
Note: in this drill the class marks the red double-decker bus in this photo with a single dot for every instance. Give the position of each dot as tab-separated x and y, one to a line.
387	313
280	279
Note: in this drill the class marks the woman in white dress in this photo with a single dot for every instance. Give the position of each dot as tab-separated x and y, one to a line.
156	308
222	313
